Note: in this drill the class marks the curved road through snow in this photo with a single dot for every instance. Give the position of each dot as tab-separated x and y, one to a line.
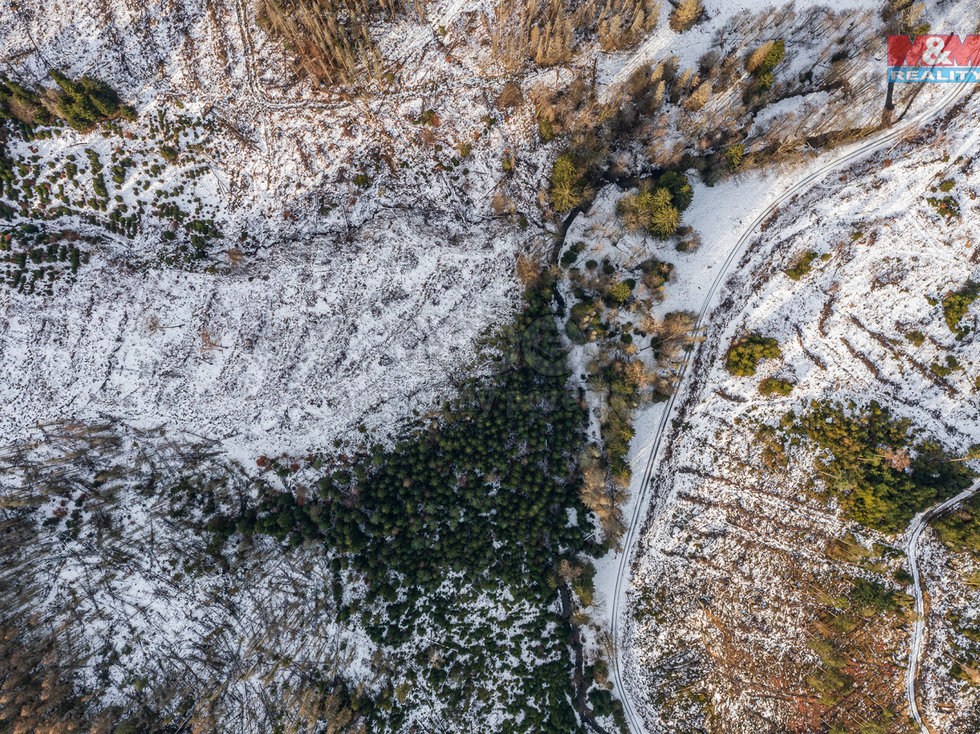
886	137
919	524
639	508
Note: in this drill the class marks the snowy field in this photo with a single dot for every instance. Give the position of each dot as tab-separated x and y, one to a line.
365	248
729	527
340	316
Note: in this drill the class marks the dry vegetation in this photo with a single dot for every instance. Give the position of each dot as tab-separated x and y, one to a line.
759	604
685	14
547	32
799	635
332	41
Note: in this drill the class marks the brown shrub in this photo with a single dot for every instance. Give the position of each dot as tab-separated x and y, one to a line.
331	40
510	96
685	15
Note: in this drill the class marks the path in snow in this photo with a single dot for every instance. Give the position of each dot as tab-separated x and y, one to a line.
887	136
919	524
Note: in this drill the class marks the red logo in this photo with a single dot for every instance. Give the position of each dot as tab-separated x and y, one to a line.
934	51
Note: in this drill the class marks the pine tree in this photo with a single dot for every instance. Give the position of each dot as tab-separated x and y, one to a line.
566	188
699	97
685	15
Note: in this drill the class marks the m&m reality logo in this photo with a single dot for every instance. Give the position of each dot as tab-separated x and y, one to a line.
934	58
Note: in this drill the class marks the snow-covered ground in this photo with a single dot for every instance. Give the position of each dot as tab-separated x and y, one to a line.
842	330
349	306
343	308
300	349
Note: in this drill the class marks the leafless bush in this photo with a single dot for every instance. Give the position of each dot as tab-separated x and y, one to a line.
686	14
209	342
331	40
510	96
546	32
235	257
622	24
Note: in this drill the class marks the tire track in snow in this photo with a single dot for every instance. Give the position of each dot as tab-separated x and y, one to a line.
918	526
